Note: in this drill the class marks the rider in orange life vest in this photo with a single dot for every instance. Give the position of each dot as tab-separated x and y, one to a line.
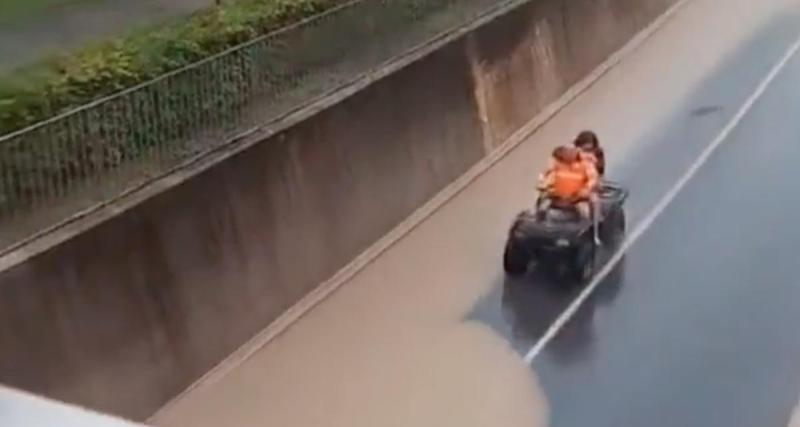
570	179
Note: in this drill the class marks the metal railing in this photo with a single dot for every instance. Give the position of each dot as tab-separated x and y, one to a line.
59	167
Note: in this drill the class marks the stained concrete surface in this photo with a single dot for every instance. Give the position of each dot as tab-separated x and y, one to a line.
697	325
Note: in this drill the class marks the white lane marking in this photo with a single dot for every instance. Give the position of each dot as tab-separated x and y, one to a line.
573	308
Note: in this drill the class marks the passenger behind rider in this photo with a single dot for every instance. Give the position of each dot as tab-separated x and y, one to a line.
570	179
590	148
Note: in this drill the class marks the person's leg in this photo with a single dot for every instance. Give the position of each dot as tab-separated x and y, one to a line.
595	212
594	205
584	209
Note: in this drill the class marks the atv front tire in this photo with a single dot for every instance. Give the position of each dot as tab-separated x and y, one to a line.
515	260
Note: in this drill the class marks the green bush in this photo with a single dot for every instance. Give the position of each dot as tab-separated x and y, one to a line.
46	89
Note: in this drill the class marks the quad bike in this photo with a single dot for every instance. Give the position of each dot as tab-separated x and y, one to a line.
557	238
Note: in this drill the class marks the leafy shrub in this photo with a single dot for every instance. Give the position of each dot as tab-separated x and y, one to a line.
34	93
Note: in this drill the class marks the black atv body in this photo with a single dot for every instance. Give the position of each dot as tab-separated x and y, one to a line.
558	239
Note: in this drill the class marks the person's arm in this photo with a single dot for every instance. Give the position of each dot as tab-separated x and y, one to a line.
546	178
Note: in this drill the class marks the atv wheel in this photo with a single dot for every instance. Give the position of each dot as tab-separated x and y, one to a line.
515	261
622	223
583	261
613	228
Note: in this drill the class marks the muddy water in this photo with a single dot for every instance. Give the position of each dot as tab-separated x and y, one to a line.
452	375
428	375
380	354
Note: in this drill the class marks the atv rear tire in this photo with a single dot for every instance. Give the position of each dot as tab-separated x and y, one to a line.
583	261
613	228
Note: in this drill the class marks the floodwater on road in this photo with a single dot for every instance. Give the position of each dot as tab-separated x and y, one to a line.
694	328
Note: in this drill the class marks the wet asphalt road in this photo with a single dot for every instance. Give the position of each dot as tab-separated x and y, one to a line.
699	324
697	327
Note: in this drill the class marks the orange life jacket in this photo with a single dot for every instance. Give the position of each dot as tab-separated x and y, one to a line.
569	179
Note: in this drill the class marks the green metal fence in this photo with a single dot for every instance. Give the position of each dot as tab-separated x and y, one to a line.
57	168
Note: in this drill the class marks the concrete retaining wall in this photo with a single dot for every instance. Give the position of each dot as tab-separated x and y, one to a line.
124	316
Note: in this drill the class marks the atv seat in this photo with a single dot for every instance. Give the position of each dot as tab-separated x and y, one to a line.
557	210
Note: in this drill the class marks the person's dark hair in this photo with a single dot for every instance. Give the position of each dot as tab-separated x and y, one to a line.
587	138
